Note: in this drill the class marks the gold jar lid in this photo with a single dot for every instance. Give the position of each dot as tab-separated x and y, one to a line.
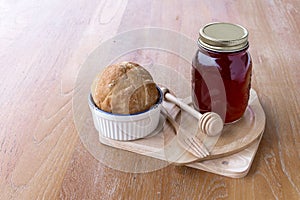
223	37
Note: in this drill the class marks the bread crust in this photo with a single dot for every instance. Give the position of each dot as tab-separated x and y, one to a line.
124	88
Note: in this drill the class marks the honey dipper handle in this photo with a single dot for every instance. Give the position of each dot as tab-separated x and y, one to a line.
182	105
210	123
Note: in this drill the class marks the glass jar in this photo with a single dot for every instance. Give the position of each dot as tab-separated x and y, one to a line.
221	71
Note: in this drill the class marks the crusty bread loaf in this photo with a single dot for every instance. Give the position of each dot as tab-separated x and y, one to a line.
124	88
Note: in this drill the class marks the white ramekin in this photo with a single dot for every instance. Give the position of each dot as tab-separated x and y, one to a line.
126	127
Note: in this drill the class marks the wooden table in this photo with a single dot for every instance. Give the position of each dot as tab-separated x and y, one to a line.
43	44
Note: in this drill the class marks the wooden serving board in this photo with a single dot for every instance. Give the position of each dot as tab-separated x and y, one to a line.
234	139
234	166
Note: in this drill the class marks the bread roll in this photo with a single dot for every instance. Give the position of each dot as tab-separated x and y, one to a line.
124	88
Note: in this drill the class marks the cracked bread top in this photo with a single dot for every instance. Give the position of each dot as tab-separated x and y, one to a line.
124	88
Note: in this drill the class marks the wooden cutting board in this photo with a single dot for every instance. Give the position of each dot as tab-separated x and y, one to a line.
234	166
163	144
234	138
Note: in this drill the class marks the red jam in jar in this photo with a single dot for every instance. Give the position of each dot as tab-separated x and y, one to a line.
221	71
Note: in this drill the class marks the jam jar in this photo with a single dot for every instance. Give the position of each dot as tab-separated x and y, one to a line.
221	71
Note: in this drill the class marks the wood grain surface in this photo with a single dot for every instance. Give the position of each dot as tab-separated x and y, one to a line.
44	43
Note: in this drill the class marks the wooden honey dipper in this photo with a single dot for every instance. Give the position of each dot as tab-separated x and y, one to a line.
210	123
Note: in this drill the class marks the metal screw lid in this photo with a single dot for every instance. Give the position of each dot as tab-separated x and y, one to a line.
223	37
